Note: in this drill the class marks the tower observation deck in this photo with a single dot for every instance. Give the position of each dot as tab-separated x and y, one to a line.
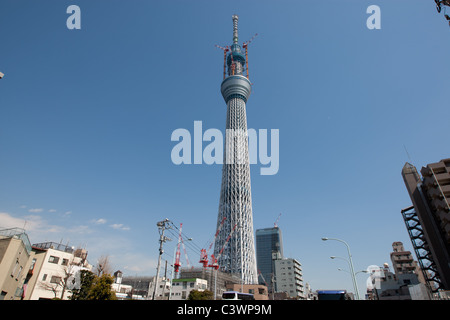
234	246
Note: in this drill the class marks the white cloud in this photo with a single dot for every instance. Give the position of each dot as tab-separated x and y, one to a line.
37	210
52	210
99	221
8	221
119	226
33	224
40	230
81	229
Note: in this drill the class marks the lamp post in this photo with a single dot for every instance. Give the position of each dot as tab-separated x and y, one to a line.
352	270
362	271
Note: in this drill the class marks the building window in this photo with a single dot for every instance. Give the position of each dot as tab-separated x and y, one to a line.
65	262
53	259
14	269
20	271
44	277
55	279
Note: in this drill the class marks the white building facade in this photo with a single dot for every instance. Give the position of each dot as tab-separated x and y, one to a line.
53	271
181	288
289	278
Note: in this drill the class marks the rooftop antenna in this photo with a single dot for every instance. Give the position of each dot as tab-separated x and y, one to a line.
406	150
235	18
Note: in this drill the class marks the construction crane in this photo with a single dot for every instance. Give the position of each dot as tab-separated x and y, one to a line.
185	254
177	263
225	50
245	46
203	252
215	264
275	224
262	277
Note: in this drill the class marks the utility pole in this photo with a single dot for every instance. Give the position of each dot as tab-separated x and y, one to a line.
162	226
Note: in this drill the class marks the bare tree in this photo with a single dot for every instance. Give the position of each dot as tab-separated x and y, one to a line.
66	278
103	266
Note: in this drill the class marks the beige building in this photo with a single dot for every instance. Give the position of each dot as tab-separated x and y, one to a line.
54	270
404	263
429	217
259	291
15	253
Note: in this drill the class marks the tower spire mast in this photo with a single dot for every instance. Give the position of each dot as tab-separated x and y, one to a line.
235	18
235	251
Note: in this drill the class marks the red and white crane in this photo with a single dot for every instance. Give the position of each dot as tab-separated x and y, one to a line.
203	252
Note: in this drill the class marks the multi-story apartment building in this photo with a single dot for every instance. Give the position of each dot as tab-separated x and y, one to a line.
428	220
15	253
181	288
404	263
288	278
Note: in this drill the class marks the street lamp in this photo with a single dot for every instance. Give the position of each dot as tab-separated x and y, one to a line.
352	270
362	271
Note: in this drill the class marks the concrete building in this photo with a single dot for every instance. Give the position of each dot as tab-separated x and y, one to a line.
387	285
15	253
288	278
428	220
162	291
404	263
122	291
53	271
181	288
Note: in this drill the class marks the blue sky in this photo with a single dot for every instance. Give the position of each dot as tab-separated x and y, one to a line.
86	118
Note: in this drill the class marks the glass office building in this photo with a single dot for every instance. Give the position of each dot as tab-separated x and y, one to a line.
269	247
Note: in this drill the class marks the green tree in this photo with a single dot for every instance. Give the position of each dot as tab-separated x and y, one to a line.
200	295
101	288
86	281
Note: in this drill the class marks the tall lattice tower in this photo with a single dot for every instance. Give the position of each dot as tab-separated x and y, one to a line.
234	245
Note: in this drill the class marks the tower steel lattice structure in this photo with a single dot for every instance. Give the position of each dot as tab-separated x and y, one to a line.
234	246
